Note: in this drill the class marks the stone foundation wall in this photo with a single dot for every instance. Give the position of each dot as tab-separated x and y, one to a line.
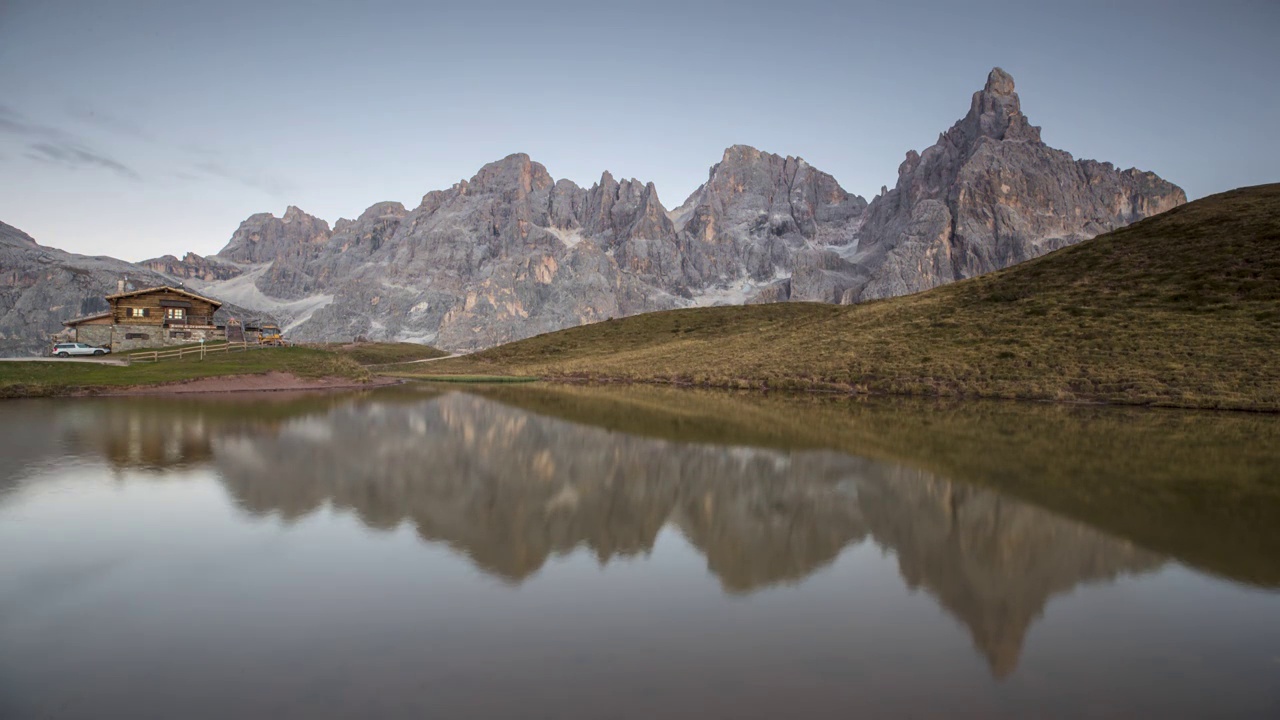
99	335
153	336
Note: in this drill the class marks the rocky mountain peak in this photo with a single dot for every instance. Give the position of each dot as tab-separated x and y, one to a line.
621	210
990	194
996	112
13	236
741	154
295	214
752	192
999	82
907	167
383	209
191	267
515	171
263	237
741	160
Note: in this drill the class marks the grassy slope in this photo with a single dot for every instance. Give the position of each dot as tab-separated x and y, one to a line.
1182	309
384	353
24	379
1202	487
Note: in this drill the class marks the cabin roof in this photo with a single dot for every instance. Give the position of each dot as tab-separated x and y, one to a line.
86	318
164	288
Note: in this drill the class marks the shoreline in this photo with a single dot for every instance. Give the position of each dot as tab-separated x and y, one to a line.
266	382
838	391
276	381
221	385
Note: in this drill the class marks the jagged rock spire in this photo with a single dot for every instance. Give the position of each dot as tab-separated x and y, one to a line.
996	112
990	194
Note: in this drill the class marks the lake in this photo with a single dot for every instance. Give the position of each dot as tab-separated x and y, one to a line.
547	552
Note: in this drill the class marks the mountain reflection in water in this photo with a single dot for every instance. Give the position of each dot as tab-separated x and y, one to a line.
768	492
510	488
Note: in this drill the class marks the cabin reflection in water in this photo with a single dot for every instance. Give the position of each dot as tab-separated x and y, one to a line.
511	489
144	441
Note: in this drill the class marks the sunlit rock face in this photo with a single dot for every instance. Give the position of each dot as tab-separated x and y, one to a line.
510	489
512	252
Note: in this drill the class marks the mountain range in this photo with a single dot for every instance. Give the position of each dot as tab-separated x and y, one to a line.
513	252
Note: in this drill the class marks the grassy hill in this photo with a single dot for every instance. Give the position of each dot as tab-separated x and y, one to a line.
1182	309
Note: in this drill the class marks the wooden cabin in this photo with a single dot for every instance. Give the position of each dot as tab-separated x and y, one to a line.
152	317
162	306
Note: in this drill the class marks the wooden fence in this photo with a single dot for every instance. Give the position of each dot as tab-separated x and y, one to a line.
196	350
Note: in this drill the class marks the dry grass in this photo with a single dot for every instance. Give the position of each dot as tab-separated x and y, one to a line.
384	353
1182	310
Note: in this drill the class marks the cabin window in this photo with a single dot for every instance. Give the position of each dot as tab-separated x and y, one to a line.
138	312
175	313
135	336
179	334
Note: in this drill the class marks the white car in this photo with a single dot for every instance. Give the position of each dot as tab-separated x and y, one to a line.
69	349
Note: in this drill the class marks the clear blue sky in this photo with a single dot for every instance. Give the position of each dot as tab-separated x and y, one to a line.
140	128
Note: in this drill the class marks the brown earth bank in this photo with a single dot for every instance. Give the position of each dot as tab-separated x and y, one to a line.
266	382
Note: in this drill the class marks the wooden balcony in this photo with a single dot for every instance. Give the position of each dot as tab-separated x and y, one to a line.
190	320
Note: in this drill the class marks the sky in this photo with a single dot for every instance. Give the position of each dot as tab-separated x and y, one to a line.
136	129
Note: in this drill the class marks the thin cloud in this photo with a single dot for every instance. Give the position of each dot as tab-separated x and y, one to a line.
49	144
107	121
13	123
77	156
274	186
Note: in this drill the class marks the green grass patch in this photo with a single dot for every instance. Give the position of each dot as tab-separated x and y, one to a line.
33	379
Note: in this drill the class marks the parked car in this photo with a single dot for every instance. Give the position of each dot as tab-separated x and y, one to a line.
69	349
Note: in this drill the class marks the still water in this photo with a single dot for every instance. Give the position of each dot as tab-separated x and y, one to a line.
629	553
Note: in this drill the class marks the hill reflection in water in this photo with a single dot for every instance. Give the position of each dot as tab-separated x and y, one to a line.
510	488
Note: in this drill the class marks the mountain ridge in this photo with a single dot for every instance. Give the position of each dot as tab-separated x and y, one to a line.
521	252
513	252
